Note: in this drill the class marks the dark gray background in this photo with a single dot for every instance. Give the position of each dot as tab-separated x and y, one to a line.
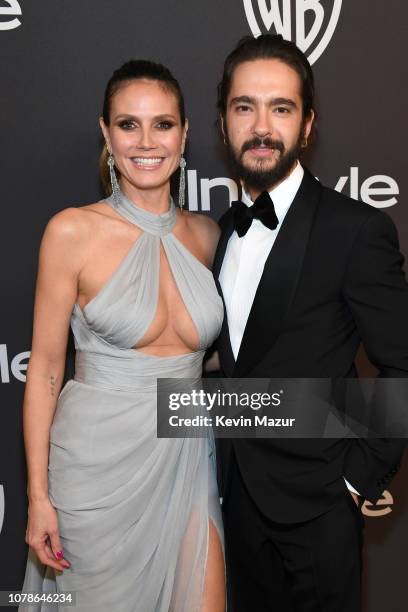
53	70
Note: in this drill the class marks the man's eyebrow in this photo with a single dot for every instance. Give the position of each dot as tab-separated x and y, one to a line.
271	102
285	101
243	100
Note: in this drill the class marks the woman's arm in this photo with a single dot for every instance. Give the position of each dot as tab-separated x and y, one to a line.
60	261
207	235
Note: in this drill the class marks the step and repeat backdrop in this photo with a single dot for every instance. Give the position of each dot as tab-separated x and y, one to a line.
55	59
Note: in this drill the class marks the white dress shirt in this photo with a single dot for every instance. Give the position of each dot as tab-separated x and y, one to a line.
245	259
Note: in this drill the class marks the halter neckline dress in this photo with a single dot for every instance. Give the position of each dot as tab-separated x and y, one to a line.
133	510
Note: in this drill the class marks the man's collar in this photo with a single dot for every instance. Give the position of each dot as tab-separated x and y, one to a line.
283	194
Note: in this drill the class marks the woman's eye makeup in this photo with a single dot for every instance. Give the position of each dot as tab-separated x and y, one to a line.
129	124
165	125
126	124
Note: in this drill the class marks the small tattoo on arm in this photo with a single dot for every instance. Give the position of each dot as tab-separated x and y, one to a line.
53	382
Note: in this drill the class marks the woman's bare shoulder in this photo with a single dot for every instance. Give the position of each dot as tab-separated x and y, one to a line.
69	233
205	232
204	225
76	222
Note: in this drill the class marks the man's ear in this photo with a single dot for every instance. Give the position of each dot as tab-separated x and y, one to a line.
309	123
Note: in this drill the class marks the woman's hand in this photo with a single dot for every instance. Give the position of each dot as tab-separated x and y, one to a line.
43	534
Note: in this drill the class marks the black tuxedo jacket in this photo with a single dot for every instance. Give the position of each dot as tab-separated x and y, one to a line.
333	278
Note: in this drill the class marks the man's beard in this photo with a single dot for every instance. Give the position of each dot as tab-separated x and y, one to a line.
255	176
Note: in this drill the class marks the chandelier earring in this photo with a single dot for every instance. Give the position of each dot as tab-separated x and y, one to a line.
113	179
182	184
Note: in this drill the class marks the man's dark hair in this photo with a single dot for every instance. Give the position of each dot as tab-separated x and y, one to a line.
268	46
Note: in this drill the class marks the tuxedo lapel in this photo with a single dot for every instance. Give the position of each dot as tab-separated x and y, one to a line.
280	277
224	343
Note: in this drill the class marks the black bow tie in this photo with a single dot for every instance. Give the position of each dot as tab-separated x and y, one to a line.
262	209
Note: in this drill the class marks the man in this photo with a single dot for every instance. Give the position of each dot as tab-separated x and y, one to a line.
306	274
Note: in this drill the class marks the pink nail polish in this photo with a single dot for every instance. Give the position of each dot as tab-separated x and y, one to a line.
59	554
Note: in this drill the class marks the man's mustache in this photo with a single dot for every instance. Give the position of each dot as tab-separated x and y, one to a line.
267	142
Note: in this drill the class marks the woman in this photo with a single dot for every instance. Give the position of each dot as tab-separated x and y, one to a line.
126	521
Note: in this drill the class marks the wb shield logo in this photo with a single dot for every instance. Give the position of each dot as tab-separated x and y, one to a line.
309	23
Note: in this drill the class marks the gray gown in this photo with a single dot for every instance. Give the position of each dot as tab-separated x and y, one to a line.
133	510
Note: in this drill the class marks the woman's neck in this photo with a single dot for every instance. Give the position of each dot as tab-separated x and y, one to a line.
155	200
